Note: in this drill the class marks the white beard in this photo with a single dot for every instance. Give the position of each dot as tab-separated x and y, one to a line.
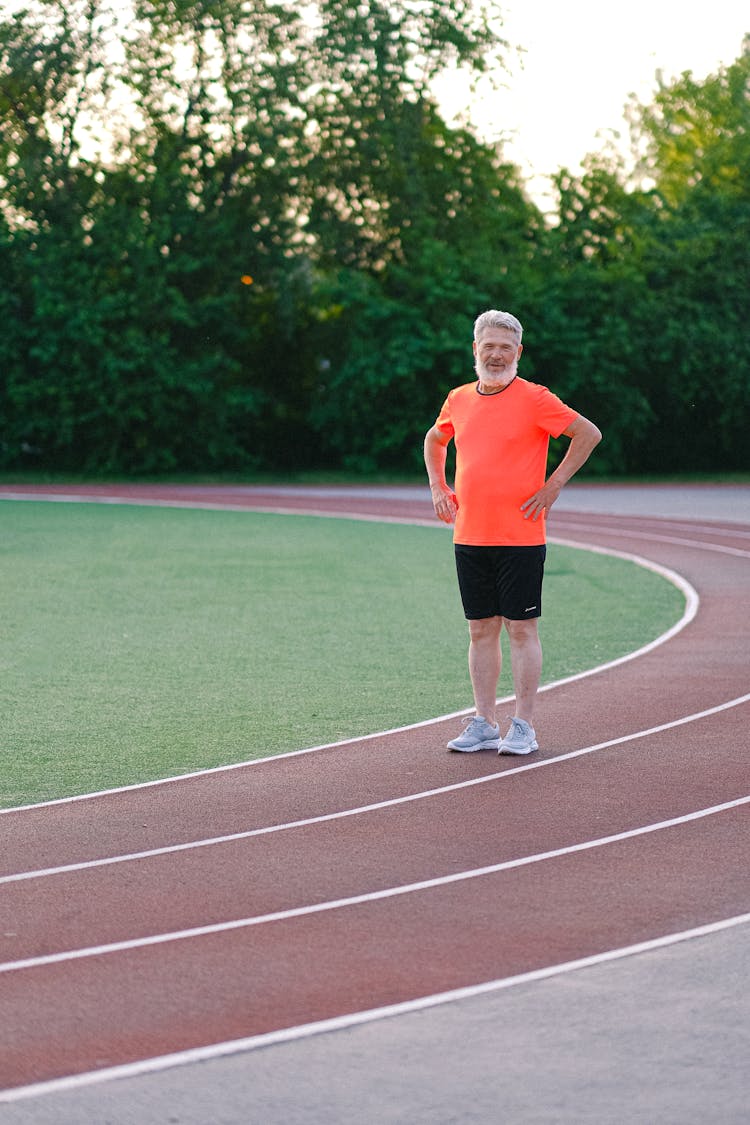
496	378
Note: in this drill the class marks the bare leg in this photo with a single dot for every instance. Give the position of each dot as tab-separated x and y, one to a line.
485	662
526	661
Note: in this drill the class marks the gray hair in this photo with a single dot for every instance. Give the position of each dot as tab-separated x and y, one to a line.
494	318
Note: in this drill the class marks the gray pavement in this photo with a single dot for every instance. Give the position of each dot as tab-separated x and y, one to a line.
718	502
660	1038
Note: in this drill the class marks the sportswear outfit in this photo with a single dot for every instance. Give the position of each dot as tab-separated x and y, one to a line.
502	440
501	458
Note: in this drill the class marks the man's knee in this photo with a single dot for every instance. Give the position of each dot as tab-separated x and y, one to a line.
522	630
485	628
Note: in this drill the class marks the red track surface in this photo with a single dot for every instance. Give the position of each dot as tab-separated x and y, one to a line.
64	1016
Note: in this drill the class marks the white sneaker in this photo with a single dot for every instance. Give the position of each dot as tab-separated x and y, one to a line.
479	735
520	739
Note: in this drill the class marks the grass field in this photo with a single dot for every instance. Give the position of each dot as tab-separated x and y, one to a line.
142	642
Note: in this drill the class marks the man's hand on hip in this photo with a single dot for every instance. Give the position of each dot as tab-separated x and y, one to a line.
541	501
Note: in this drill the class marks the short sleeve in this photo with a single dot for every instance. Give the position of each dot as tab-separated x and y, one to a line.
553	414
444	421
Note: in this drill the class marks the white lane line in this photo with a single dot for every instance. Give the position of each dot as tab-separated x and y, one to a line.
356	1019
360	899
692	602
327	513
216	506
655	537
340	814
738	530
708	526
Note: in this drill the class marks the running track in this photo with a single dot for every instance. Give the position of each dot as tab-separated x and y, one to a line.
370	875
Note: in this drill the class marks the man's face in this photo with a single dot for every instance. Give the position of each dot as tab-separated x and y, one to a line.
496	356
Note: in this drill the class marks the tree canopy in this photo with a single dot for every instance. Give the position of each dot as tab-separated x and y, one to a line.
239	235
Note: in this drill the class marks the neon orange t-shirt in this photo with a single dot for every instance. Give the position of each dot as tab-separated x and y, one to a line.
501	459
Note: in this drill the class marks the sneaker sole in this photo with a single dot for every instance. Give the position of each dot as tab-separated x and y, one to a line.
490	744
525	750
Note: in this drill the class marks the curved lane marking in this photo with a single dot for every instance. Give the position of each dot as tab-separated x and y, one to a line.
655	537
367	517
355	1019
170	849
306	1030
692	602
360	899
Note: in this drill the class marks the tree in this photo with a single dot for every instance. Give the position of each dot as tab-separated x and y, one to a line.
587	283
696	143
639	301
400	337
237	234
145	350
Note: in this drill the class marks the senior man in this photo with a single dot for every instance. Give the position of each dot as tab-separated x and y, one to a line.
501	425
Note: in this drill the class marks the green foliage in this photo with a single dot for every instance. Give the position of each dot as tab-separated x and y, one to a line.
237	234
641	320
697	142
468	230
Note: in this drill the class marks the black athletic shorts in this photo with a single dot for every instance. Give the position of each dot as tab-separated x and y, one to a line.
500	581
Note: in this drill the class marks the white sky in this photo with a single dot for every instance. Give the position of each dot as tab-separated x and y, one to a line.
582	60
564	96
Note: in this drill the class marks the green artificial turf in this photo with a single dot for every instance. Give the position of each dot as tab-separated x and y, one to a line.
141	642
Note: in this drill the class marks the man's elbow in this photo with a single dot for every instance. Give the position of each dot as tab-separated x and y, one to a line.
586	431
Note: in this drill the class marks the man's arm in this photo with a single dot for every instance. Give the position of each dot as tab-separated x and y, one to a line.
435	453
584	437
